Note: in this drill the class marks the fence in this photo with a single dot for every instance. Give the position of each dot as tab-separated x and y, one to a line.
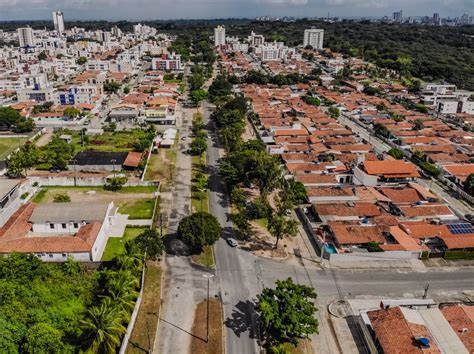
134	315
70	181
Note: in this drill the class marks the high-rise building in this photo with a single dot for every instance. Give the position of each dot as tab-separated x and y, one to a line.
436	19
58	20
313	37
26	37
219	36
398	16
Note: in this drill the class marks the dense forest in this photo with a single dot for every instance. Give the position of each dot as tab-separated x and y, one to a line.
427	52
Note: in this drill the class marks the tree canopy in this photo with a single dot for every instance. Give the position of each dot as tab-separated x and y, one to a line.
11	119
287	312
198	230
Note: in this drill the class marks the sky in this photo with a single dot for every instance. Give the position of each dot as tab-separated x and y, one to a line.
179	9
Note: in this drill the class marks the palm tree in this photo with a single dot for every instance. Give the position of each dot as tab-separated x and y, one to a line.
122	289
103	327
131	259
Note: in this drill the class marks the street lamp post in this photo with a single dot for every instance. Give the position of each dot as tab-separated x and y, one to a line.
208	276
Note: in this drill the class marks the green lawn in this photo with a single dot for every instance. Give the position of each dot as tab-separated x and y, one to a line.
110	141
141	209
115	245
7	145
38	198
262	222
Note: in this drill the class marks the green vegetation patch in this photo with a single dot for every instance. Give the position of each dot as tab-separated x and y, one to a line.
141	209
116	245
7	145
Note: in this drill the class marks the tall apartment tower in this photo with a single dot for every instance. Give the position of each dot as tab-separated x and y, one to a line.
313	37
58	20
398	16
26	37
219	36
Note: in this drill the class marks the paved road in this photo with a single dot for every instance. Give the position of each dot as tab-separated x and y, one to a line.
236	274
184	286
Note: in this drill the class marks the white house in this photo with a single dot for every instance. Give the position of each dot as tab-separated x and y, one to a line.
54	232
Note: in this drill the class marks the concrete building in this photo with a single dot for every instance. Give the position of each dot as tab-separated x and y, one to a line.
313	37
167	62
26	37
398	16
54	232
58	20
219	36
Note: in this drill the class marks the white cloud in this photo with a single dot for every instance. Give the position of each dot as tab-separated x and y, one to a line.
358	3
284	2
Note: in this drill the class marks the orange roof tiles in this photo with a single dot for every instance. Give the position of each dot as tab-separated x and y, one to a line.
461	317
395	334
388	168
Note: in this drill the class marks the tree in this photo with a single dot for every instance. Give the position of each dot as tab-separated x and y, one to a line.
418	124
281	227
199	229
335	112
396	153
115	183
196	81
296	191
197	96
81	60
198	146
11	119
111	87
150	241
220	87
381	130
42	56
287	312
72	112
20	161
103	327
242	226
42	338
469	184
126	90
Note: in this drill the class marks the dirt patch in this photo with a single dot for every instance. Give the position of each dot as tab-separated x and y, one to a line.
215	343
263	244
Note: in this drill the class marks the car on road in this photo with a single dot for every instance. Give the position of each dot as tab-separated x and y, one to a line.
232	242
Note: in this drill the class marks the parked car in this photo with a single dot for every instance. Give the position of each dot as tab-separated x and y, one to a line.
232	242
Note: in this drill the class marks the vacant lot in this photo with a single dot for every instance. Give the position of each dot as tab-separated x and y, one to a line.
7	145
140	209
116	245
214	345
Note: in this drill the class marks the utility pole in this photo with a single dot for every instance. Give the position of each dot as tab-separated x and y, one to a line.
208	276
425	292
113	163
75	181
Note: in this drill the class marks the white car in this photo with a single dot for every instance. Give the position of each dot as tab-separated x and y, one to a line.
232	242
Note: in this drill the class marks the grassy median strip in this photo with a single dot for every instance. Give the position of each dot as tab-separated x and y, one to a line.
200	201
144	331
205	258
215	343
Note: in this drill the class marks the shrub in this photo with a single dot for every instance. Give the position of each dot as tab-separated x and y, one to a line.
61	198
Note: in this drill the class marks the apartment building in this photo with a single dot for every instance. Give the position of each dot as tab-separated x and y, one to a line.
26	37
219	36
313	37
167	62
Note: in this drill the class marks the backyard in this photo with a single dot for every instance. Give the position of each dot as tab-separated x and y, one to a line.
137	202
116	245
